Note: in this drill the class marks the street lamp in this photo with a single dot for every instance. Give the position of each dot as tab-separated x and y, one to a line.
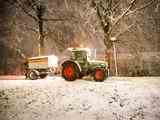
113	39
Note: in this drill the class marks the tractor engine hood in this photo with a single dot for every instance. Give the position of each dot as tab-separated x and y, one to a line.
99	63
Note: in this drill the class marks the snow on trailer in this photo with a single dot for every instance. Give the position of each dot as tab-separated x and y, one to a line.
41	66
43	62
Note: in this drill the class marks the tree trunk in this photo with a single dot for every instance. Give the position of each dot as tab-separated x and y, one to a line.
40	12
41	38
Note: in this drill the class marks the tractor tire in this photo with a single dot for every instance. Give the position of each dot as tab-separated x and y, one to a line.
33	75
42	76
99	74
70	71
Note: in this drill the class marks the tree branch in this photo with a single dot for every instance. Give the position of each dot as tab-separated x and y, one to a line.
142	7
57	19
32	29
122	15
19	51
123	31
50	33
116	6
22	7
66	4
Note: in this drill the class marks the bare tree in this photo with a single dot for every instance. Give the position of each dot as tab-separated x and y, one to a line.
37	10
116	18
109	17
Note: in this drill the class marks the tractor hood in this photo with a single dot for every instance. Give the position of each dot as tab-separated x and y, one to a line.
98	63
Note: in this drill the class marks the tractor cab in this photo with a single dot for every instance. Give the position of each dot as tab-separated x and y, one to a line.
80	55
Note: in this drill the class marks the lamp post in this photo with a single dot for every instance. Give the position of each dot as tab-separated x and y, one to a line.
113	39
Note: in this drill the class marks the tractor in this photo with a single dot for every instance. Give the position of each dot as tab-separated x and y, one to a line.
81	64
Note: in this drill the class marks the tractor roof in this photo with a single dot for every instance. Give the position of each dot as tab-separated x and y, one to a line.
79	49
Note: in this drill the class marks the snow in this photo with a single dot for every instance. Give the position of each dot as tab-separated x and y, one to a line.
117	98
52	61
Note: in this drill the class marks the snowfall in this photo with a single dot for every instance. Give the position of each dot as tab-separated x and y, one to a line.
53	98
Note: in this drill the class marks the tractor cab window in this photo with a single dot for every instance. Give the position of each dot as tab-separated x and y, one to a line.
79	55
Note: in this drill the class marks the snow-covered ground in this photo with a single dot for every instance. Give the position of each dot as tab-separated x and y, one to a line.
118	98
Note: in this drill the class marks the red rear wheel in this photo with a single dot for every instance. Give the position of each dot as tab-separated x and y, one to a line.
99	74
69	72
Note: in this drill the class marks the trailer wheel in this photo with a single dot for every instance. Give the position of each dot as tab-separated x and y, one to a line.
33	75
99	75
42	76
70	71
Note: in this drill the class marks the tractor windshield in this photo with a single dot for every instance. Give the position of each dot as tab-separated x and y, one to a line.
79	55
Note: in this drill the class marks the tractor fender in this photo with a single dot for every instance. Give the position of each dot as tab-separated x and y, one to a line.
100	68
74	62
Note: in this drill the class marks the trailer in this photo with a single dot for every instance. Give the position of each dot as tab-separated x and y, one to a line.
40	66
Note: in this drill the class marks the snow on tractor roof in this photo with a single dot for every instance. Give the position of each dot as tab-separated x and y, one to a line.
88	50
79	49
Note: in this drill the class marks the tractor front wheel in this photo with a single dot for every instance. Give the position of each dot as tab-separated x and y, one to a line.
99	74
70	71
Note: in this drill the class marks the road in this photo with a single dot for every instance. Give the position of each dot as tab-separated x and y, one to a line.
117	98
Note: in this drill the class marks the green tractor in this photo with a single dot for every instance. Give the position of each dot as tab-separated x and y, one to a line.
80	64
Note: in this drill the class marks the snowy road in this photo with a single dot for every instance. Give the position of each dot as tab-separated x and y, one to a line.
120	98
